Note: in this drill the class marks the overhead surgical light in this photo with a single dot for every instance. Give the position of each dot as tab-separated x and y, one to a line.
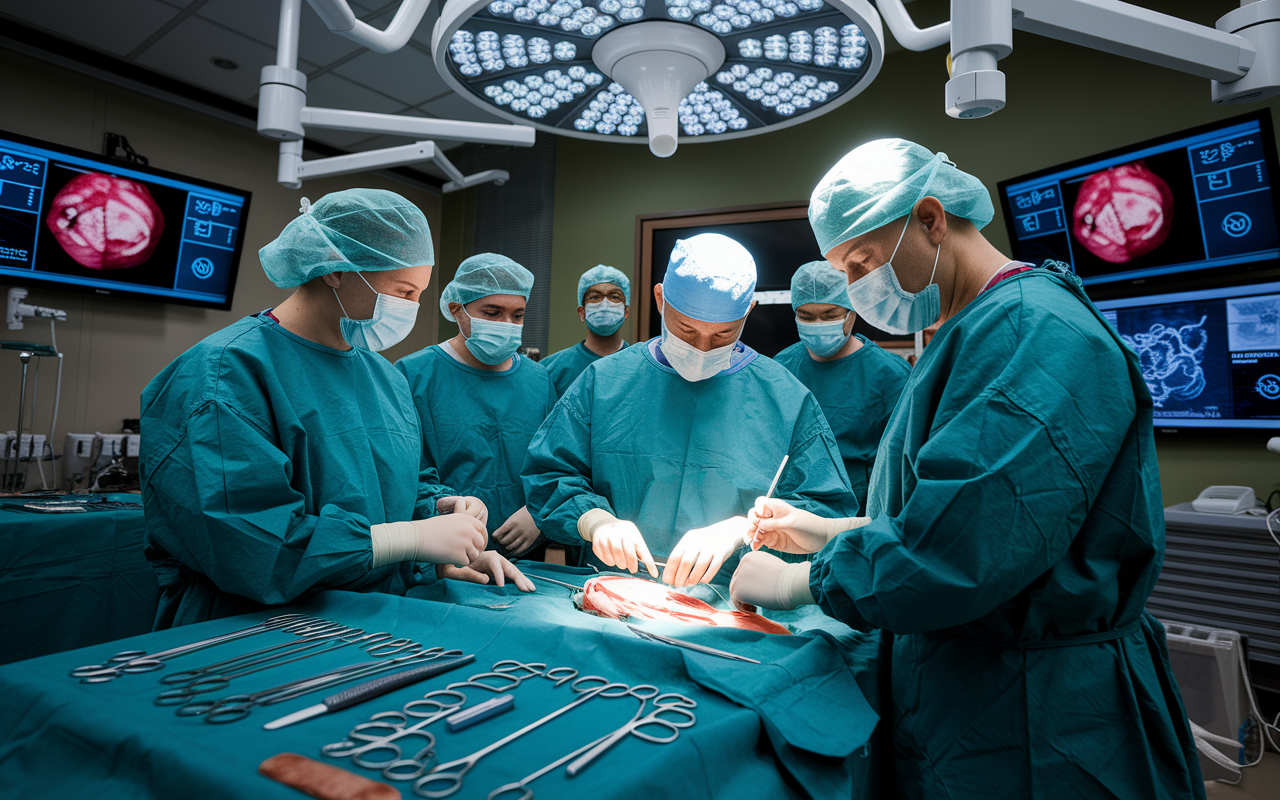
663	70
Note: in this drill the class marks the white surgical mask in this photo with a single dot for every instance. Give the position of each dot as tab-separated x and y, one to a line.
392	320
691	363
824	339
880	299
604	318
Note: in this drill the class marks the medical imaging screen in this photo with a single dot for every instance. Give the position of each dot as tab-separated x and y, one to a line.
75	221
1194	204
1210	358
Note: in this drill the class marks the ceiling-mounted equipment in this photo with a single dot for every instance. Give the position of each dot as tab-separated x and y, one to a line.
658	70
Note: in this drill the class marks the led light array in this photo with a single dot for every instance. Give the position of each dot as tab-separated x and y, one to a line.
784	92
725	16
570	16
612	110
707	110
538	95
825	47
486	51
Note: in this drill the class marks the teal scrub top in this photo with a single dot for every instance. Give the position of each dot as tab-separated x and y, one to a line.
634	438
477	424
1017	531
266	458
857	394
565	366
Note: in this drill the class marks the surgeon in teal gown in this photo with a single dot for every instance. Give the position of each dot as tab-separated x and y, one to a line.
281	454
660	450
1014	527
604	305
479	401
856	383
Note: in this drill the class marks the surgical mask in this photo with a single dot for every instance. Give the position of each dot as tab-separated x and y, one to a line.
493	342
824	339
693	364
392	320
880	299
604	318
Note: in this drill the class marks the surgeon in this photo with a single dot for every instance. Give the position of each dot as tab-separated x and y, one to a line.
281	454
659	450
479	402
856	383
604	304
1014	526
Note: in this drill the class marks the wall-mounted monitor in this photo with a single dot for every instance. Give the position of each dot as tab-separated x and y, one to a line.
77	221
1189	209
1211	357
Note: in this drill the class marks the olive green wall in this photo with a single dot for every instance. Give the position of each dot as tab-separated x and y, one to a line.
1065	102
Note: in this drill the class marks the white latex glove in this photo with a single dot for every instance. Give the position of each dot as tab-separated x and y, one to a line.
788	529
463	505
487	566
763	579
616	542
698	556
518	533
451	539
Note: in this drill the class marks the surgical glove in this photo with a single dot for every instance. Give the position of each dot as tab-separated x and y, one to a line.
463	505
487	566
763	579
698	556
788	529
518	534
616	542
452	539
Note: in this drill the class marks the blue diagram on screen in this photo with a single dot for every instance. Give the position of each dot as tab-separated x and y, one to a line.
1171	360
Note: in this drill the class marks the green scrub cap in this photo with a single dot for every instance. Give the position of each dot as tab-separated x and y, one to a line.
356	230
603	274
819	282
483	275
881	181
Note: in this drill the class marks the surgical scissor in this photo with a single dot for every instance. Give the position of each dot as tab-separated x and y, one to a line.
308	638
670	704
515	673
385	730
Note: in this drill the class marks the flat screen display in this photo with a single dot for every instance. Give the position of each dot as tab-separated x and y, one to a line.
72	220
1188	209
1211	357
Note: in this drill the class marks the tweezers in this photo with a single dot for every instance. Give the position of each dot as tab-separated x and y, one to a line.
711	651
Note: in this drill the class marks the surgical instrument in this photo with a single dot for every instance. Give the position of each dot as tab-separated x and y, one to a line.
569	586
756	536
384	730
522	785
369	690
700	648
477	714
309	639
505	670
671	703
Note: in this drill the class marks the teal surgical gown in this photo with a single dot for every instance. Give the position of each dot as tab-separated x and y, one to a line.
634	438
477	424
266	457
1017	531
565	366
857	394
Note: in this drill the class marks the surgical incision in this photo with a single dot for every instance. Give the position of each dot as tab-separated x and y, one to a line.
1171	360
105	222
1123	212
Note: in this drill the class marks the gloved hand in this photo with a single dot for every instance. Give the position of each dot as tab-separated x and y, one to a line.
763	579
788	529
488	565
463	505
616	542
698	556
451	539
518	533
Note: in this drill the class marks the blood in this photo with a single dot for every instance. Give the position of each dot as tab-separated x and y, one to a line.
105	222
618	596
1123	212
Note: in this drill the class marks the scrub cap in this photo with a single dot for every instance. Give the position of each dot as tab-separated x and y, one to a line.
819	282
483	275
356	230
603	274
710	278
881	181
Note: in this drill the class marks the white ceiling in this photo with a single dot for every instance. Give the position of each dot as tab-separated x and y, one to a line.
179	39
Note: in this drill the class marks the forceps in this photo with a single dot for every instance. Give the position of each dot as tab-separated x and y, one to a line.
384	731
515	673
671	704
308	638
522	785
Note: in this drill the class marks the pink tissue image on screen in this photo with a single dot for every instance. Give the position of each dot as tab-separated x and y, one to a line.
1123	212
105	222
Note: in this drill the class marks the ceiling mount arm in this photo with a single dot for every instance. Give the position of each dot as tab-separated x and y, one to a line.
904	29
337	14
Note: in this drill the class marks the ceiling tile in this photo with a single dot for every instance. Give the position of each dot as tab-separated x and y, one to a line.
341	139
455	107
115	27
407	74
333	91
261	21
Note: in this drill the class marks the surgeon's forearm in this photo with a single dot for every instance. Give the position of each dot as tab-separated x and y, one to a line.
839	525
591	521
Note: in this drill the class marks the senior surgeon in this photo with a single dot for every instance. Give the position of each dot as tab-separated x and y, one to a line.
604	304
1014	527
856	383
281	454
661	448
479	401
